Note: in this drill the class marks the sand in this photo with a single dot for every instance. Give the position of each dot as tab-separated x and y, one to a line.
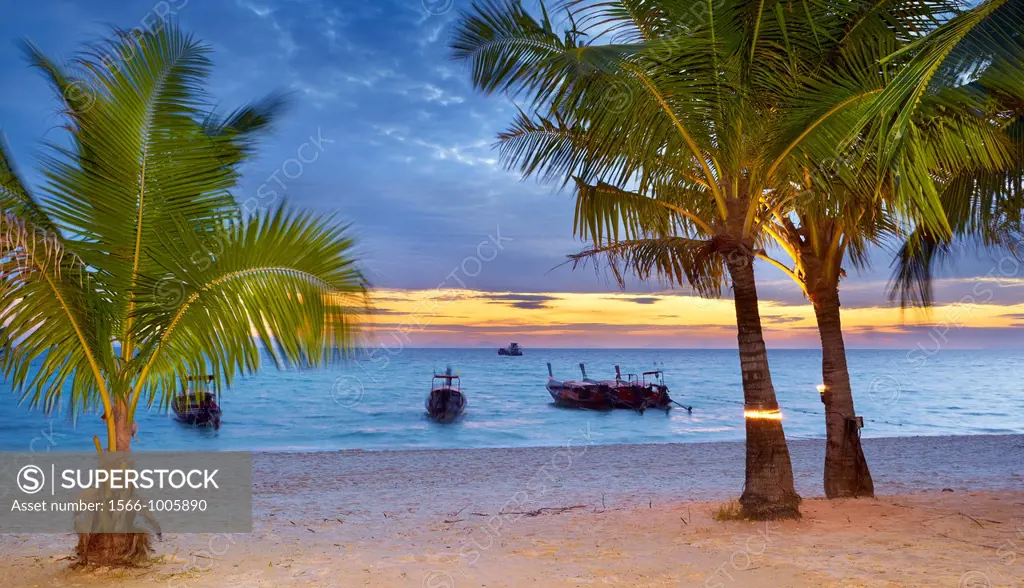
589	515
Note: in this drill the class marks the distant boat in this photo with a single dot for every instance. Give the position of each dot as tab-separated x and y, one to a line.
197	404
512	349
579	394
446	401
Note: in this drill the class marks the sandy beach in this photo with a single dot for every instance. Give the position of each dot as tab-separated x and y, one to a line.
950	512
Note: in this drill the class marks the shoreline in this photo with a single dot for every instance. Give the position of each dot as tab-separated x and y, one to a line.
589	515
789	439
426	482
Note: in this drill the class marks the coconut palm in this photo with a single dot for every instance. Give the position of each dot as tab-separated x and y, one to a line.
652	101
713	113
962	137
972	63
131	269
819	243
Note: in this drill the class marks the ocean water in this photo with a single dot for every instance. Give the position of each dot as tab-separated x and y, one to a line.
377	404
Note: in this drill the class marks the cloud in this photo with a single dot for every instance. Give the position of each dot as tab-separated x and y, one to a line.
638	299
428	92
370	78
523	301
778	320
259	9
458	153
432	35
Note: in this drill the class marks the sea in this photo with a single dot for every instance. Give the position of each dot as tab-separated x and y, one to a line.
376	402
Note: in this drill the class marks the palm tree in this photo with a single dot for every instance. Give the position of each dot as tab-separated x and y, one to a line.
135	270
821	234
974	63
678	107
688	129
818	243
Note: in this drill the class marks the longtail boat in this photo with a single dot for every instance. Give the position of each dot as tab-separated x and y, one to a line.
639	394
578	393
446	401
635	392
197	403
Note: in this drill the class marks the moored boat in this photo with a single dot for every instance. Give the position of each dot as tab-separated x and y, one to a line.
647	391
197	403
446	401
635	392
578	394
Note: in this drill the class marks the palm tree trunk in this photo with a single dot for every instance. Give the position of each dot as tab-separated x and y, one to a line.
121	426
116	549
769	492
846	469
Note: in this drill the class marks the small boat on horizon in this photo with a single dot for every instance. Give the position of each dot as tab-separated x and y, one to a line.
197	404
512	349
446	401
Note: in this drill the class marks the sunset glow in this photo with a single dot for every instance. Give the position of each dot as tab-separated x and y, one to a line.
468	318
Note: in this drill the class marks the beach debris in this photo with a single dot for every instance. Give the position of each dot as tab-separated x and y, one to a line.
973	519
534	513
947	489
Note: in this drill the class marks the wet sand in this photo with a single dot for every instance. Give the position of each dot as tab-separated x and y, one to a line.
591	515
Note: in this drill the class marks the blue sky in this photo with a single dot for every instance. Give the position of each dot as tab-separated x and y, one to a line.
407	143
410	161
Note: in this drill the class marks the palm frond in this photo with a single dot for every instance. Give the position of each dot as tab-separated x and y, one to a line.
283	283
677	261
913	270
15	198
52	336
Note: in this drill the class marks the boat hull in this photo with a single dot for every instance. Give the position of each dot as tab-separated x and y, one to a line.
640	398
576	395
196	411
445	405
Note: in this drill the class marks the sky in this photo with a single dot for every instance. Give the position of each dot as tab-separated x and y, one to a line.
460	251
